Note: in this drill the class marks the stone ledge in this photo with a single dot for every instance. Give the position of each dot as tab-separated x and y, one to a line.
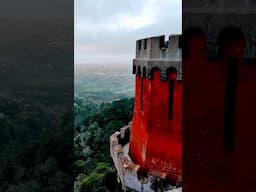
129	172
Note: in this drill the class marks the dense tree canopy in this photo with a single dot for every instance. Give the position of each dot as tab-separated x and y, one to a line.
36	148
93	164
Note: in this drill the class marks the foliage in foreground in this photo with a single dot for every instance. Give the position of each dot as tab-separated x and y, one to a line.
93	164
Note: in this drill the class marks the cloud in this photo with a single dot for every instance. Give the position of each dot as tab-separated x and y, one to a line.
112	27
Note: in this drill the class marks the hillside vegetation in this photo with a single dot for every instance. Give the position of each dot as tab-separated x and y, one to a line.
93	165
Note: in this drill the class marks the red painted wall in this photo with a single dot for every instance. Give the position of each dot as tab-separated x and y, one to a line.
208	166
155	141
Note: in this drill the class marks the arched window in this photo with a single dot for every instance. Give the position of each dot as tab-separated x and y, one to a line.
193	39
151	73
231	42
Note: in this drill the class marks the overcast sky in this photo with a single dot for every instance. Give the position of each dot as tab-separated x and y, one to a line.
106	30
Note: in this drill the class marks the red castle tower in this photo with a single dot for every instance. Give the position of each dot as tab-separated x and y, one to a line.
149	149
155	142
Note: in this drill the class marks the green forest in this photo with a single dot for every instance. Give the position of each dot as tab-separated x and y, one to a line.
39	154
36	147
94	170
93	165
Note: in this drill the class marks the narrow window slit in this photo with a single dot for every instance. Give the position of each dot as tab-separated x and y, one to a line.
141	93
171	95
230	105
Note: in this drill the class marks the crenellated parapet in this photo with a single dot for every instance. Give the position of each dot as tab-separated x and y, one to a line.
156	53
213	17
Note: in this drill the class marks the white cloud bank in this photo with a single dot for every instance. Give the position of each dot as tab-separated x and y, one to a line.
109	28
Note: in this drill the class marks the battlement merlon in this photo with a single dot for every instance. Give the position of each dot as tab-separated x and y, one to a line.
157	48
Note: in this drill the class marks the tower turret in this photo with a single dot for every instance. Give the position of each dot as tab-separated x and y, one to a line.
147	152
155	142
